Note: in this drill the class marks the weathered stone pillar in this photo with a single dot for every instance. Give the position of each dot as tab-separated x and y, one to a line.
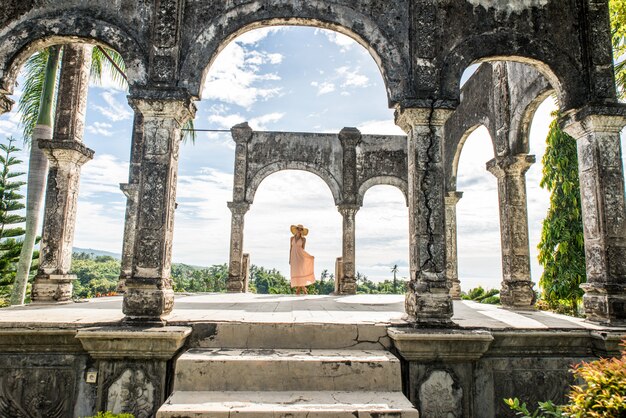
131	191
604	213
428	298
242	134
517	287
236	274
452	260
347	283
149	295
66	154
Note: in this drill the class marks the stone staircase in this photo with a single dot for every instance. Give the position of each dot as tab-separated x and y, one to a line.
298	381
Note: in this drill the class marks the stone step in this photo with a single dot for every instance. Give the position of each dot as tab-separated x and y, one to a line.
289	335
316	404
287	369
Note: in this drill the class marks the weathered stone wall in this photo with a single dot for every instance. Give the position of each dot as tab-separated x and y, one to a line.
421	47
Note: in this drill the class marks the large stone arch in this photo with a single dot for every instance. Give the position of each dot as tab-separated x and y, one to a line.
397	182
257	178
391	57
24	38
563	72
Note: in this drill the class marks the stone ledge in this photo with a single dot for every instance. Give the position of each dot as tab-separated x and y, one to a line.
37	340
440	344
133	342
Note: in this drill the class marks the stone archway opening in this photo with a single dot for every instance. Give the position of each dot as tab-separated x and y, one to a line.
382	242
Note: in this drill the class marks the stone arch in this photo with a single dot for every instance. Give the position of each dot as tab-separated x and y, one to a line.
452	164
25	38
397	182
521	144
257	178
211	40
562	71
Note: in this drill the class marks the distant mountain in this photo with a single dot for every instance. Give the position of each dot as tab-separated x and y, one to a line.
96	253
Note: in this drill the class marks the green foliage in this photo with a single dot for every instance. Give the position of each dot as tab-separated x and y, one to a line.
545	410
270	281
10	233
478	294
108	414
194	279
617	10
561	249
604	392
96	275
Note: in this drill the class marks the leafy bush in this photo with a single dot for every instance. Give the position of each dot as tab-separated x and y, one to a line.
481	295
603	393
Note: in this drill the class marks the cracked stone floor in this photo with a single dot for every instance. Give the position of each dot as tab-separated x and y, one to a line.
221	307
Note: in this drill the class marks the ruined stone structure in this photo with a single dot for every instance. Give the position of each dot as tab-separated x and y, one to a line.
349	163
422	48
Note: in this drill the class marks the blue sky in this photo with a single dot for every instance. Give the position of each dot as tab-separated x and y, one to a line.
289	79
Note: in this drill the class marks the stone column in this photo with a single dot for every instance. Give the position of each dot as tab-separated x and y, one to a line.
452	260
236	274
517	287
428	298
604	213
66	154
149	295
131	191
347	284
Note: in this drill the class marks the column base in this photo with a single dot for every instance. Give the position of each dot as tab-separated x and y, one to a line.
235	285
428	305
53	288
605	304
347	286
147	300
518	295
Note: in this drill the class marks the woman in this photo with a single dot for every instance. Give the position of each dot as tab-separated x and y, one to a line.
301	262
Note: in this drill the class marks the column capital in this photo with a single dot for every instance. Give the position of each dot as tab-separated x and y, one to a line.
176	106
349	137
581	122
238	208
452	198
241	133
66	151
510	165
348	209
407	118
6	104
130	190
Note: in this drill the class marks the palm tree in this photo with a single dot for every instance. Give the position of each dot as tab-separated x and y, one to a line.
394	270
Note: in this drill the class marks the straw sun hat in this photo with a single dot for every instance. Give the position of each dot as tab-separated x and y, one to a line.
294	229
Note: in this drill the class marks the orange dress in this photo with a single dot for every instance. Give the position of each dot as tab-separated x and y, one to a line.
301	264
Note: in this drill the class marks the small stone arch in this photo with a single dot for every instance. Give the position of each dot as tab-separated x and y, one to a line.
383	181
528	110
562	72
25	38
257	178
389	56
454	162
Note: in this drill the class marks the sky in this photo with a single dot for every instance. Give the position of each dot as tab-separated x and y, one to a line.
290	79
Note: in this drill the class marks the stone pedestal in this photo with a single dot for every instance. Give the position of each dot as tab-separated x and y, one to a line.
236	274
149	295
347	283
428	298
52	282
603	209
517	287
452	260
132	365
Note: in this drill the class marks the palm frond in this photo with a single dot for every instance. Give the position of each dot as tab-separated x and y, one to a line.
30	101
189	133
109	61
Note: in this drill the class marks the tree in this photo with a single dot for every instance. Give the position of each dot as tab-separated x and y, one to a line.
10	203
394	270
561	249
617	10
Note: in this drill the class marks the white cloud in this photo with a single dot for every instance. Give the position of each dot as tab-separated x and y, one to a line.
352	78
115	110
100	128
257	35
258	123
381	127
339	39
226	121
236	76
103	174
323	87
